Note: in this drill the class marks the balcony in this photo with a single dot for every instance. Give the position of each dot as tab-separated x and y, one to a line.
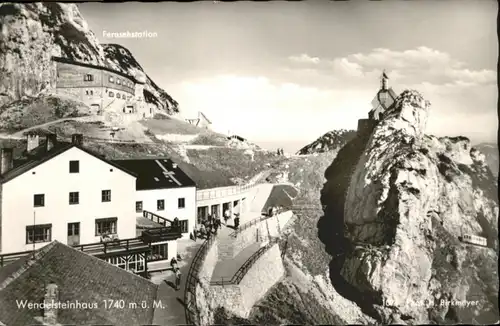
112	248
161	234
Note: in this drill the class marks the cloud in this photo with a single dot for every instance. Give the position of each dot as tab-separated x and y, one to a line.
313	95
304	58
414	66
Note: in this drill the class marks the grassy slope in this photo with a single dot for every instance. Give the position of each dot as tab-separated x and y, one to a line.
30	112
233	163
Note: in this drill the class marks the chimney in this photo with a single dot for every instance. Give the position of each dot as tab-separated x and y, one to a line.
77	139
33	141
50	302
174	165
51	140
6	160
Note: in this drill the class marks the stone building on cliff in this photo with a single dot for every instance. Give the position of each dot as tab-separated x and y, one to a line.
101	88
384	99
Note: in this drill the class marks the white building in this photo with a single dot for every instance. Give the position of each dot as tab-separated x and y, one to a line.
63	192
163	192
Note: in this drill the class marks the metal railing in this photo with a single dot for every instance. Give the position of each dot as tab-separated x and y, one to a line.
243	270
192	279
156	218
251	223
207	194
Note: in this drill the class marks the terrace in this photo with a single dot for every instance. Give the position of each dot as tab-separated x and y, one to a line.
104	250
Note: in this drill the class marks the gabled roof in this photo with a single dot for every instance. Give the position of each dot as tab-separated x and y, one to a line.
193	121
156	173
39	155
236	137
80	278
200	114
388	102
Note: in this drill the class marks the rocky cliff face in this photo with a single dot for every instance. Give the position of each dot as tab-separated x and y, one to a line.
491	153
403	203
119	58
332	140
32	33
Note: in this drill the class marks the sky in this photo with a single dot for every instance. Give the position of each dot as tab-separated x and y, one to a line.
283	73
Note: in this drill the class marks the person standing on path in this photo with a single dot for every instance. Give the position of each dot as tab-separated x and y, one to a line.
227	214
173	264
236	221
178	279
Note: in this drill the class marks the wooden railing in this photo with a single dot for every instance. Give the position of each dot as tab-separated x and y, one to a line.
156	218
243	270
93	249
103	248
6	259
161	234
192	279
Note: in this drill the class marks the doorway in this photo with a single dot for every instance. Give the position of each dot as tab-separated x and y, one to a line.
73	234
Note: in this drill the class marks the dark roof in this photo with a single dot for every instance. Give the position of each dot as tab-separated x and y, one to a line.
156	173
39	155
376	102
237	137
206	179
89	65
81	278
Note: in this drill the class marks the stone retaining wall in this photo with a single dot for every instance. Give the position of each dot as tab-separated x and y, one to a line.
270	227
264	274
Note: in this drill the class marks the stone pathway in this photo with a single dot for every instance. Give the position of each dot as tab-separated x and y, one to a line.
173	312
225	269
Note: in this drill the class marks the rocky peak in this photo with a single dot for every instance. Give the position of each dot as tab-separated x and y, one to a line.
406	204
332	140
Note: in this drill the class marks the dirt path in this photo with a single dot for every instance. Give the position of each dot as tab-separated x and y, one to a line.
20	134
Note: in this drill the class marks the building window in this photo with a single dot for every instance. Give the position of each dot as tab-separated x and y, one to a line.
159	252
118	261
111	80
184	226
136	263
74	166
105	226
91	92
73	229
118	95
86	92
118	81
38	233
181	202
106	196
39	200
88	77
74	198
138	206
160	204
111	94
